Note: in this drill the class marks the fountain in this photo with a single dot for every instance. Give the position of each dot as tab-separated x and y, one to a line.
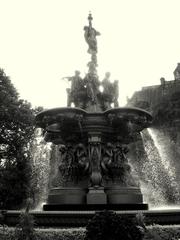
93	172
89	167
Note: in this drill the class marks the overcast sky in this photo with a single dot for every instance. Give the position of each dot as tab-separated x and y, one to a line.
43	40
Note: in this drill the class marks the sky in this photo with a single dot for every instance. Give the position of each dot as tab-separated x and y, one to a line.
42	41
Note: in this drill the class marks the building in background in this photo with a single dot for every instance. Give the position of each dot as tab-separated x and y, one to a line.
151	97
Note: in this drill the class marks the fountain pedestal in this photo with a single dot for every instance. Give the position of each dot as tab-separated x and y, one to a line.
71	195
96	196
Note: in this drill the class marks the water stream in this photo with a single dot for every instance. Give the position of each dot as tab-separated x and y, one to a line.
41	154
157	168
160	181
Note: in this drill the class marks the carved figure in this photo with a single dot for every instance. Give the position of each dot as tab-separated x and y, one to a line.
82	157
92	84
107	85
107	157
114	163
110	91
90	36
177	72
76	91
116	93
120	152
76	82
67	160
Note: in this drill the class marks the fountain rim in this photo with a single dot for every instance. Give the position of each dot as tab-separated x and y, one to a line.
132	109
65	109
80	110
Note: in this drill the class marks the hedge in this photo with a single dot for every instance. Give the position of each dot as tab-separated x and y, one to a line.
155	232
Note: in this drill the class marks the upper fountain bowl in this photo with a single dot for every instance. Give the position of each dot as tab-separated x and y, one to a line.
68	124
137	118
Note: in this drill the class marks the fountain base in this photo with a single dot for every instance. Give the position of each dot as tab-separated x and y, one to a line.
123	195
96	196
94	207
67	195
110	198
81	218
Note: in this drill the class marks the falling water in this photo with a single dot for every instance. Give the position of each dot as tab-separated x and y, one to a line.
41	153
158	171
163	145
160	182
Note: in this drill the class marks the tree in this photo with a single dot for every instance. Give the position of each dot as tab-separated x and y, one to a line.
16	130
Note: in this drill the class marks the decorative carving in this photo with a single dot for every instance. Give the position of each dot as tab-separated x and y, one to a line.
74	162
67	159
114	162
81	156
107	157
95	159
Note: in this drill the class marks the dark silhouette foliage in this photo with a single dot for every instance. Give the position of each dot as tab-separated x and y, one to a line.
107	225
16	129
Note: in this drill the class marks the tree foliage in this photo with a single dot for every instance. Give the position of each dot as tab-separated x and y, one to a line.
16	129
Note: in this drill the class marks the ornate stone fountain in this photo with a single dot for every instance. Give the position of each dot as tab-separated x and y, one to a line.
93	170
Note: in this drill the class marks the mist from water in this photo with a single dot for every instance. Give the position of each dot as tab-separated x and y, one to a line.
41	154
159	184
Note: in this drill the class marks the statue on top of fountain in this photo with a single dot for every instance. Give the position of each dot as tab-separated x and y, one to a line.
85	93
110	92
77	89
90	36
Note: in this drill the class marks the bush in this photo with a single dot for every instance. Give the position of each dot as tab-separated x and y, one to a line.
46	234
108	225
158	232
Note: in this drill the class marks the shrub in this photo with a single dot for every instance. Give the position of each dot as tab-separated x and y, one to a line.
108	225
46	234
25	228
158	232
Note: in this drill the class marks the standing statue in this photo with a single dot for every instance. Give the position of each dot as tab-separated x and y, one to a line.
77	87
116	93
110	91
76	82
177	72
90	36
92	86
107	85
